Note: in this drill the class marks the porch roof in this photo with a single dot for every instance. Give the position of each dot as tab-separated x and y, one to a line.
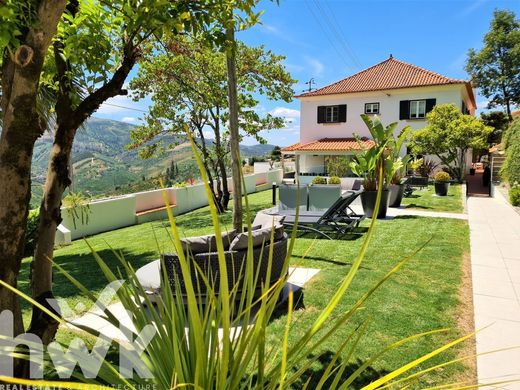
330	145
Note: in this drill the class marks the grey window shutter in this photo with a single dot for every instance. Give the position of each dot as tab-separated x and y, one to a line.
321	114
342	113
430	103
404	109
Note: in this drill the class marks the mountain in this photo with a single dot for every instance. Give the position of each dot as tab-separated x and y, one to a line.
102	165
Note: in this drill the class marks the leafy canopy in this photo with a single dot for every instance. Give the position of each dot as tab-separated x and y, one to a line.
188	85
495	69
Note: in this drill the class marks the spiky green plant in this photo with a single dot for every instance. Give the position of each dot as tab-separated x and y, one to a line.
197	344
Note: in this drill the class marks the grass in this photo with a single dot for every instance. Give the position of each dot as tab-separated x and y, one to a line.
423	296
426	199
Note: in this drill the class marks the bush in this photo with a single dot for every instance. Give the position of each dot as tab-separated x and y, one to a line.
442	176
511	168
514	196
319	180
512	135
334	180
32	232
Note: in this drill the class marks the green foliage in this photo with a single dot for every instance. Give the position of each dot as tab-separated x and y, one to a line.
495	68
511	168
77	207
449	135
442	176
31	234
334	180
499	121
319	180
383	156
337	165
514	196
255	159
512	135
276	153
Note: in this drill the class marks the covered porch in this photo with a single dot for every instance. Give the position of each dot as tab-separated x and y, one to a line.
325	157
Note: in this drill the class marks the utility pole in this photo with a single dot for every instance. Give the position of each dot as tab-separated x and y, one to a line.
310	83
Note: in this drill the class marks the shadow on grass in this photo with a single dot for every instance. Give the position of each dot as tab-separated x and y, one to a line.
86	270
312	376
418	206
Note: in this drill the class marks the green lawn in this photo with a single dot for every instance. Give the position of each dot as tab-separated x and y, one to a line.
423	296
427	200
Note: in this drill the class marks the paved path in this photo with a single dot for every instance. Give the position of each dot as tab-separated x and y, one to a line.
495	264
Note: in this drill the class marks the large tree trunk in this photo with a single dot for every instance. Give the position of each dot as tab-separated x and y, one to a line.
222	168
21	127
68	121
234	138
50	217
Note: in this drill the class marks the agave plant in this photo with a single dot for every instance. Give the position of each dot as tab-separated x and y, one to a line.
199	345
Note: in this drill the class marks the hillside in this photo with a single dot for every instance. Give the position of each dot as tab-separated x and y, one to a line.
102	165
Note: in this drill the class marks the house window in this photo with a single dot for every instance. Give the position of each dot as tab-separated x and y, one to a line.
417	109
331	114
371	108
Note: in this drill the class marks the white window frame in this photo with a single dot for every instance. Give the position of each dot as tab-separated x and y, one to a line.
417	109
331	114
371	108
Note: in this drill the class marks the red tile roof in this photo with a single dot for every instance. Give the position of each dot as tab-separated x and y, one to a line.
330	145
389	74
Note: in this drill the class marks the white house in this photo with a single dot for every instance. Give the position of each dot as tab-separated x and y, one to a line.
392	89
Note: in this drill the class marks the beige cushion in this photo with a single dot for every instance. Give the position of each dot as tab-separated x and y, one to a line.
258	237
266	220
206	244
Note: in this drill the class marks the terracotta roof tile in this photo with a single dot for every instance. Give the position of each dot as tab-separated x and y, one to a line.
330	145
389	74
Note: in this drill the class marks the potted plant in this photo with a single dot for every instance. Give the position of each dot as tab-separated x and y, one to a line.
370	162
442	183
334	180
395	166
319	180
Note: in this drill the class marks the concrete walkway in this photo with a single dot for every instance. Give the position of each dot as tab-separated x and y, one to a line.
495	264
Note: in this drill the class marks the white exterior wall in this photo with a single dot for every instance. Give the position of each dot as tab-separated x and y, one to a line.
311	130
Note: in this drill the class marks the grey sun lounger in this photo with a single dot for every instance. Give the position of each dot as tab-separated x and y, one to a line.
339	218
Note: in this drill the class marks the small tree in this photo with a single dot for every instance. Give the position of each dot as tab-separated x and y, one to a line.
188	82
276	153
449	135
495	68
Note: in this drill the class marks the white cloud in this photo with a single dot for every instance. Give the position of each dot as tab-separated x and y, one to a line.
129	119
482	104
285	112
316	65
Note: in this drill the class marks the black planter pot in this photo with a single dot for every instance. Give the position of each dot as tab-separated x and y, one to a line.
472	171
368	200
395	195
441	188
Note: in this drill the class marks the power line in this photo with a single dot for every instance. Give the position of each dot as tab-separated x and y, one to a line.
337	26
326	33
125	107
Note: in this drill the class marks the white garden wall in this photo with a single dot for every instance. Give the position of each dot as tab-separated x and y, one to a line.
110	214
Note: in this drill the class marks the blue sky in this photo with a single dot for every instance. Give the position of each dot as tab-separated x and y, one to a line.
329	40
